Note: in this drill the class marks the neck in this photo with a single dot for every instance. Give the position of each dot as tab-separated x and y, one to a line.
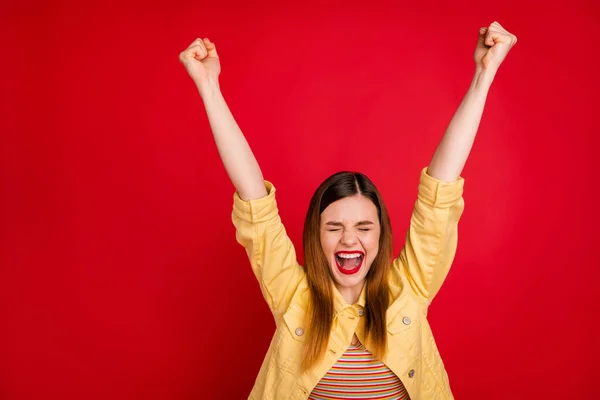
351	294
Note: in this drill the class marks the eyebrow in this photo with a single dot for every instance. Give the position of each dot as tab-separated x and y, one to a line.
359	223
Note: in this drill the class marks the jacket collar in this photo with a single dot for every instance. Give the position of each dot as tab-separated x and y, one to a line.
339	303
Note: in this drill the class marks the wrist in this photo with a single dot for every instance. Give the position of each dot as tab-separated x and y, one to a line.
483	78
208	87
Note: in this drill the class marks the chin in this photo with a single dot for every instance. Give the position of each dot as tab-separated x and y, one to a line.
349	280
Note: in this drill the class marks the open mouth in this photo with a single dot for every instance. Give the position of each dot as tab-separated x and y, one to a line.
349	262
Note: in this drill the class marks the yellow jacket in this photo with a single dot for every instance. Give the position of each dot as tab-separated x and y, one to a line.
415	278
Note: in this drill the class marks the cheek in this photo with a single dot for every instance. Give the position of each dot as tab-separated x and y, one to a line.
327	244
372	245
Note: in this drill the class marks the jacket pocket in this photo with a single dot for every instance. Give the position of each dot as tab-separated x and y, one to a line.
294	319
292	337
402	316
404	333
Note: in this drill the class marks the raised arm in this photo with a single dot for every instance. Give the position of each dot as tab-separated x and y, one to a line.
451	155
255	214
202	63
431	241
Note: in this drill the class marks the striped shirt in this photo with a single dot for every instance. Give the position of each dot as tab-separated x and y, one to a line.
358	375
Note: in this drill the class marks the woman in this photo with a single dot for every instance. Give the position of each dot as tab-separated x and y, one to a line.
352	324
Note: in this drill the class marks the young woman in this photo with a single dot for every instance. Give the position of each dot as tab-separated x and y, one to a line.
353	322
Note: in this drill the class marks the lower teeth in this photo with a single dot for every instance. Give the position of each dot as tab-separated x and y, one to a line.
355	261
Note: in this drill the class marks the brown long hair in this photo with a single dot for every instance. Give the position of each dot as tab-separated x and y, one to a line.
320	312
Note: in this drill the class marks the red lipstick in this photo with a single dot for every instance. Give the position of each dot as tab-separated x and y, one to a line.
353	270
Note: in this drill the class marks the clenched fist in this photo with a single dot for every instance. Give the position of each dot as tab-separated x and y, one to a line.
492	47
201	62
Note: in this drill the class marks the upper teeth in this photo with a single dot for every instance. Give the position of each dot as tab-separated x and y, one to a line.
354	255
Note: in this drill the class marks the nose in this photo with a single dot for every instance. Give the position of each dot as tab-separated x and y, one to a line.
348	239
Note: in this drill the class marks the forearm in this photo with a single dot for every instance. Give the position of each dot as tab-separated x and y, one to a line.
236	155
451	154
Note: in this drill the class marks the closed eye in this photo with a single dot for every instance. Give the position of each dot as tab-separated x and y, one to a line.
360	229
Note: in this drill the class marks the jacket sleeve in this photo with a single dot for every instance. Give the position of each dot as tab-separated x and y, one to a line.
271	252
432	238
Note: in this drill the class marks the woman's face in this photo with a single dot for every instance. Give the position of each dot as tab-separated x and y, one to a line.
349	231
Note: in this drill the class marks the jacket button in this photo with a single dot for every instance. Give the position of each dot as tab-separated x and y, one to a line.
361	312
406	321
411	373
299	331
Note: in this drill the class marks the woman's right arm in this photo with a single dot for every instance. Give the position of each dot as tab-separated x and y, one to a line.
255	214
202	63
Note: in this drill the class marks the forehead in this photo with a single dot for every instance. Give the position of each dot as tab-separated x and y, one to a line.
350	209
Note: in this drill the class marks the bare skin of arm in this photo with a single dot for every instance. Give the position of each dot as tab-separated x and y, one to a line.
451	154
202	63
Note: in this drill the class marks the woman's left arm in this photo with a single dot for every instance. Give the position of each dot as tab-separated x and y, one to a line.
431	241
451	154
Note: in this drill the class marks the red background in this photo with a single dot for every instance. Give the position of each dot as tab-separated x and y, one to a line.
120	276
